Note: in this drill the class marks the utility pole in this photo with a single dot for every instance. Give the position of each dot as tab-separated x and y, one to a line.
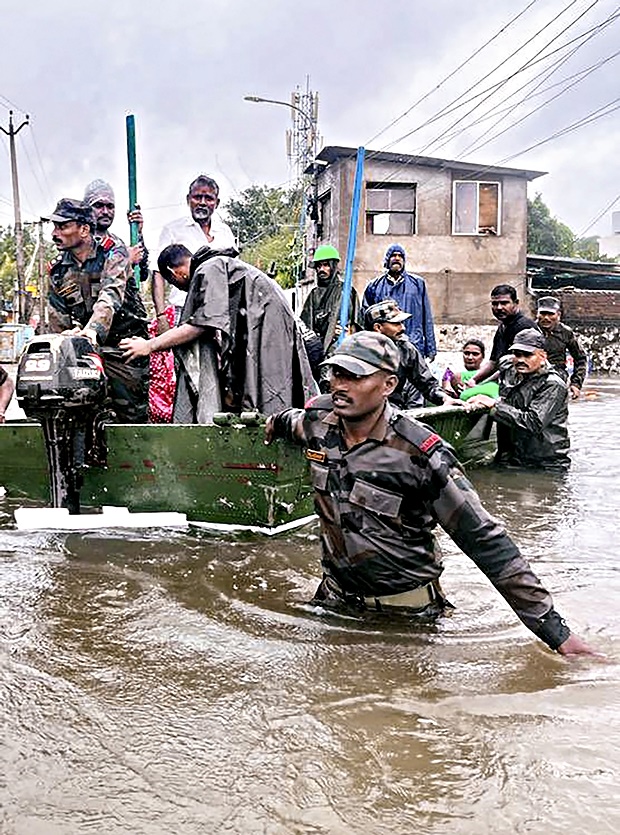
43	311
19	306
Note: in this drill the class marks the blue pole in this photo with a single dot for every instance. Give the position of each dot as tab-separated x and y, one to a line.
353	221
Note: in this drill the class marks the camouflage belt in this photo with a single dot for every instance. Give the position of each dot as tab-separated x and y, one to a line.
414	599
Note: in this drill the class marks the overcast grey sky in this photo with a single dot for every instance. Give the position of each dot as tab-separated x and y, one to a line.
183	68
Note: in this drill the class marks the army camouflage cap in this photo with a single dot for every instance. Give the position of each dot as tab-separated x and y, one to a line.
385	311
68	209
528	340
365	353
548	304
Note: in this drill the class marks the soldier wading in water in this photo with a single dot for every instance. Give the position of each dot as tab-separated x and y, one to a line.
382	482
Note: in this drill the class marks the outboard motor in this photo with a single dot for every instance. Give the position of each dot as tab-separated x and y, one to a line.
61	383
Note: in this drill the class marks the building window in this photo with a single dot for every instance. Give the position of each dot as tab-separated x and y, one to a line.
390	208
324	220
475	208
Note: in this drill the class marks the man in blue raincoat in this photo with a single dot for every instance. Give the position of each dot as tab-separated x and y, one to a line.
409	291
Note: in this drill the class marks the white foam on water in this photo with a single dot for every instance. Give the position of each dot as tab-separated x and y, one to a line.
59	518
221	527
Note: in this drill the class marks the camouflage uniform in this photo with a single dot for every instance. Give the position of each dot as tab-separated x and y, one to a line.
558	341
416	381
379	502
101	294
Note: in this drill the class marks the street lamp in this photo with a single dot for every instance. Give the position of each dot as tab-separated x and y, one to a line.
284	104
301	148
302	140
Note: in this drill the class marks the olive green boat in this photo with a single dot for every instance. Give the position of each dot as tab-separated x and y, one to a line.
216	474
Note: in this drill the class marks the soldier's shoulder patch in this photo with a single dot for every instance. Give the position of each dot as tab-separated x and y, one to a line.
107	243
53	264
418	434
429	443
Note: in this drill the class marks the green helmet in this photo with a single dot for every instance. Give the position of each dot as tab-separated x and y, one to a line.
326	252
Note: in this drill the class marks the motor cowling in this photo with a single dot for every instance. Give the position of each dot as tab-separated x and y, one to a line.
62	384
58	371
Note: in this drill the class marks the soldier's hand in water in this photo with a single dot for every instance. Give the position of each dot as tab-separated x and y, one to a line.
135	216
134	346
573	645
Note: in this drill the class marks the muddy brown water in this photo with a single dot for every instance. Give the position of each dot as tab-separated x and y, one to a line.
177	683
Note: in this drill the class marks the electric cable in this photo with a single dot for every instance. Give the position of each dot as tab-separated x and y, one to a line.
452	74
476	145
600	215
446	109
521	69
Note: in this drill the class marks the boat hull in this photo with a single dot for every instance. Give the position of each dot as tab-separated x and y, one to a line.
216	474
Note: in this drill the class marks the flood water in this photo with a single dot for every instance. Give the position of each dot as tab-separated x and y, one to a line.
176	683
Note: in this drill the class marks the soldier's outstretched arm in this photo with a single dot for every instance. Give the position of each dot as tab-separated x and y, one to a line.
459	511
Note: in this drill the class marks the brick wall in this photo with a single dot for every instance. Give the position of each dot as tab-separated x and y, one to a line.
594	315
585	306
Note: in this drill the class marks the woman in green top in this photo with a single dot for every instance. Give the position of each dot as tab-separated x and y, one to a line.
473	354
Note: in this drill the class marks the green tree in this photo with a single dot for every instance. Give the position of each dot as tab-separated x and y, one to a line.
8	268
546	235
588	248
266	222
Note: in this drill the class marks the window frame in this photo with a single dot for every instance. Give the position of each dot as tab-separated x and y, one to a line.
478	183
324	200
390	185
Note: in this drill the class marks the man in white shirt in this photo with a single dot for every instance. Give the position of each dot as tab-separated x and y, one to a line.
202	228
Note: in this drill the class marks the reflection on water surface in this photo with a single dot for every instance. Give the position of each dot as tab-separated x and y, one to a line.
178	682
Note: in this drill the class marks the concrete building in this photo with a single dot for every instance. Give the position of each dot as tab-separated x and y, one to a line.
610	244
463	225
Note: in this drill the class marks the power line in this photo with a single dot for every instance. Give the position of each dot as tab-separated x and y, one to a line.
446	109
40	161
587	34
521	69
10	105
451	109
473	147
586	120
34	174
452	74
537	91
600	215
